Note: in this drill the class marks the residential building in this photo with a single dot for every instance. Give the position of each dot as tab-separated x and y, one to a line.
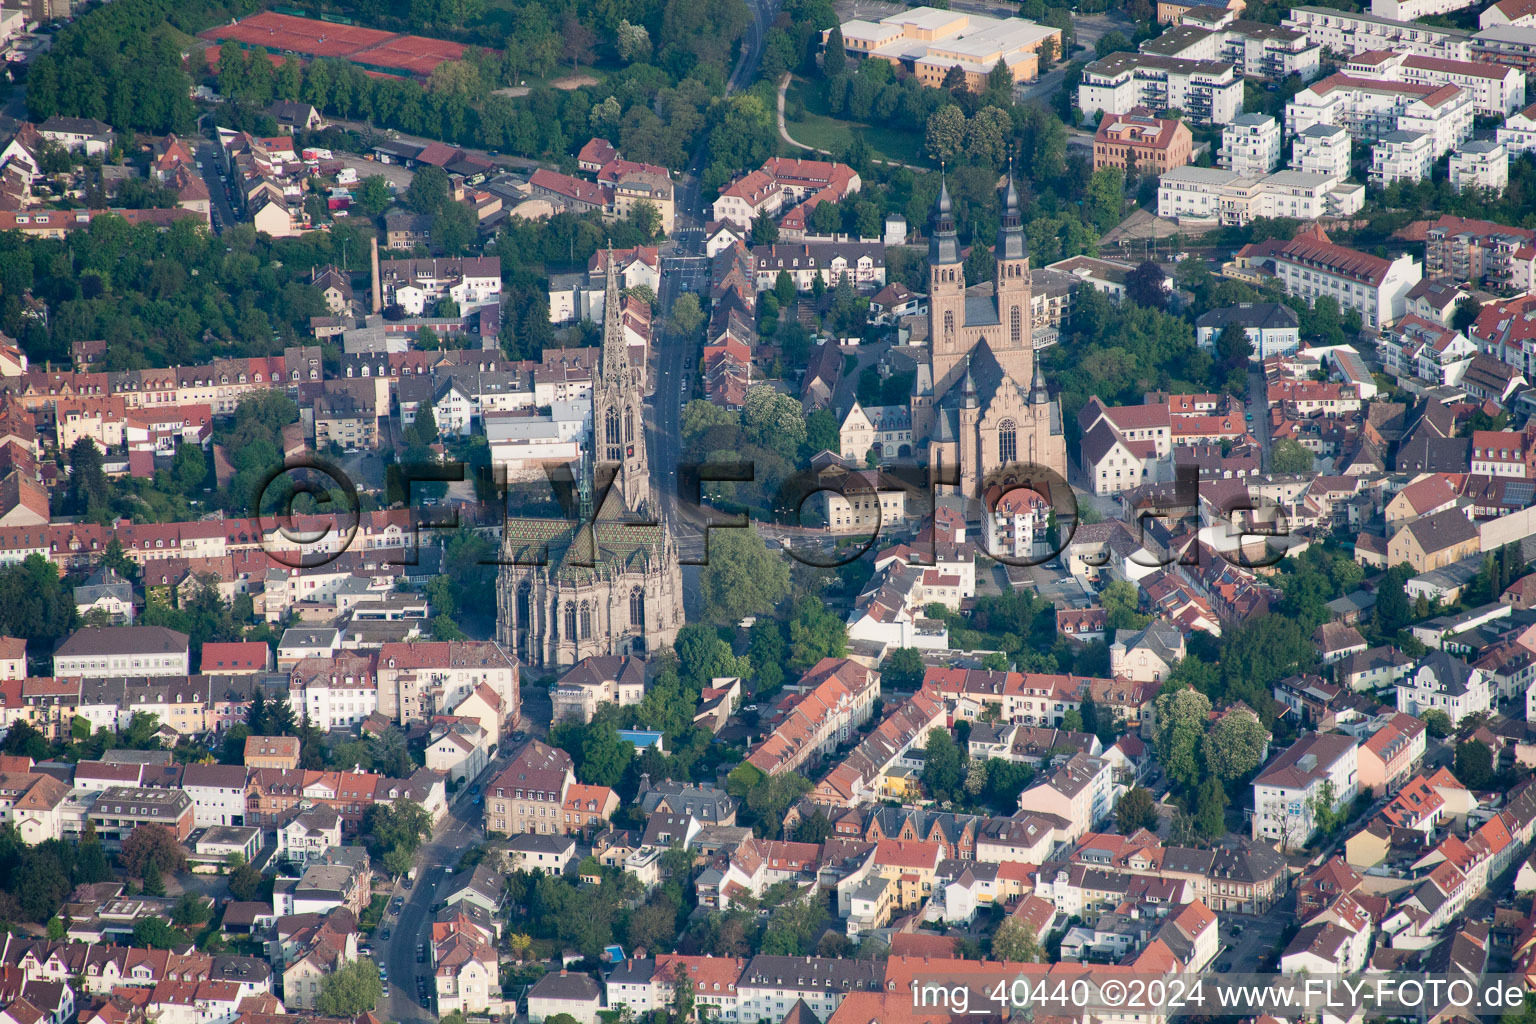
1346	32
1497	90
1207	92
1518	132
1286	792
1322	149
1402	156
1369	109
217	792
1210	194
1445	683
1434	541
1256	49
1475	253
1391	753
530	795
862	262
121	809
1413	10
1480	165
1082	791
1311	265
563	993
1273	328
99	652
1250	145
1140	144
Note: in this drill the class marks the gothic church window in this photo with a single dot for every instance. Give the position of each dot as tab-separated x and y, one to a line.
1016	326
1007	442
637	607
586	621
570	621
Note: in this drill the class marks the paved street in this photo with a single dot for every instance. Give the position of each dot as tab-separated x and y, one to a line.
207	154
413	925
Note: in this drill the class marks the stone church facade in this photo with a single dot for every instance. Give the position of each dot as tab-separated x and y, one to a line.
610	584
979	401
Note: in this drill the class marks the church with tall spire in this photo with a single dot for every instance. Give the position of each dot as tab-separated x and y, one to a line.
609	582
979	400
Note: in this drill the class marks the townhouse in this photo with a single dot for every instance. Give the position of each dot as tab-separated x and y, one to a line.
835	697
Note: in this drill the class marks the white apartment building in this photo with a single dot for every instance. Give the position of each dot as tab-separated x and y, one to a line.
1413	10
217	792
1286	792
1322	149
1257	50
1311	266
105	652
1345	33
1368	109
1497	90
1402	156
1480	165
1250	145
1442	682
1211	194
1518	132
1208	92
412	284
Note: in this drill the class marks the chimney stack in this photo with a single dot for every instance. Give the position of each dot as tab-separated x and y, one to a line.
378	298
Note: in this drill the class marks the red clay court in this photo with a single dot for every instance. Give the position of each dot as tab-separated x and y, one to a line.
367	47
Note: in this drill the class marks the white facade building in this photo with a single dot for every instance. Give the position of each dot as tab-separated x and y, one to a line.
1497	90
1322	149
1402	156
1250	145
1208	92
1518	132
1345	32
1311	266
1480	165
1288	790
217	792
1413	10
1214	195
1368	109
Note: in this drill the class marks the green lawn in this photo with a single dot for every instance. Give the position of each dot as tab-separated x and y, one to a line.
817	128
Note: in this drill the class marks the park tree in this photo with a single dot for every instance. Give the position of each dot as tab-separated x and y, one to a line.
352	990
1211	809
742	576
152	847
395	831
1235	744
1233	346
944	766
834	56
1136	809
1181	718
903	669
1290	456
428	191
1438	723
1015	942
1474	764
945	133
1147	285
686	316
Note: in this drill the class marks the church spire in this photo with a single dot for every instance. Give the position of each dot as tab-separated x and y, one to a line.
943	243
1011	243
614	359
968	399
1038	395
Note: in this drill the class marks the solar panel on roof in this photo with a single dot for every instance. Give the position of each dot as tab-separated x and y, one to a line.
1519	492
